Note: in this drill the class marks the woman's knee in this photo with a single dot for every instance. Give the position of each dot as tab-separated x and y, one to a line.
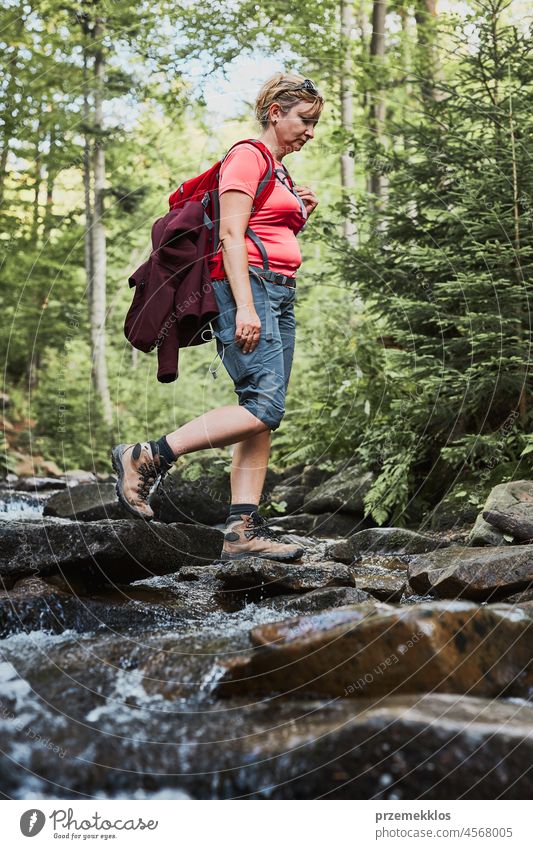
260	426
268	415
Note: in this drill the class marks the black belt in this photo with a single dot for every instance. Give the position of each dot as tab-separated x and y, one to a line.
275	277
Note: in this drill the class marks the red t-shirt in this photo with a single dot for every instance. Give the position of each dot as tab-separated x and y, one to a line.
280	218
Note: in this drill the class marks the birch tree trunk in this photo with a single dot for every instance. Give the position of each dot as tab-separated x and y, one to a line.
346	92
98	282
37	180
50	180
87	177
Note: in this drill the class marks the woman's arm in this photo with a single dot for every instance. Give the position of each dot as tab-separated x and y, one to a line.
235	211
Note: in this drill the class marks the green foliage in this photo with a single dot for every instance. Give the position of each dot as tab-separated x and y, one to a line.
412	349
430	381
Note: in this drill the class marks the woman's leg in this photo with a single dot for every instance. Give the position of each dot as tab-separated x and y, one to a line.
248	468
216	428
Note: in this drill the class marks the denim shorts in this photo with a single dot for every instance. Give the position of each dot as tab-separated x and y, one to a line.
261	377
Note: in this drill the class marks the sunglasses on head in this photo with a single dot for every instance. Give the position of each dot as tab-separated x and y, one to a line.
307	85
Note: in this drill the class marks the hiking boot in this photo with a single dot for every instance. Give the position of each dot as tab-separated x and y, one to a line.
250	536
140	469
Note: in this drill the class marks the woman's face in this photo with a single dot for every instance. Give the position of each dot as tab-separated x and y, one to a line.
297	127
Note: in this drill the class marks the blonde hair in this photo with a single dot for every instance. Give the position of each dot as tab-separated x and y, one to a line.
277	89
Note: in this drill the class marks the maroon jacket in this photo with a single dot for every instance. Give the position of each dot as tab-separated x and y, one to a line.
174	300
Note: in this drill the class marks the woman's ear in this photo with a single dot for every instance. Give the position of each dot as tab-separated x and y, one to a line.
275	114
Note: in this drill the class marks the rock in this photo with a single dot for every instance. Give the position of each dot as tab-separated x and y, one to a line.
75	477
389	541
386	584
344	491
325	525
520	598
291	496
452	646
316	600
119	740
516	522
258	571
38	484
203	501
37	605
480	574
292	475
108	716
199	493
122	551
455	510
87	503
503	497
313	476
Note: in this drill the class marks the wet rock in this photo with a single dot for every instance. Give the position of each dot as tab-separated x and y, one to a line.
87	503
390	541
324	525
481	574
344	491
316	600
502	498
387	584
453	646
100	552
119	718
38	605
38	484
272	578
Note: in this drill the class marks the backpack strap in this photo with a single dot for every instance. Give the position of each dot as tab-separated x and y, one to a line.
261	189
290	187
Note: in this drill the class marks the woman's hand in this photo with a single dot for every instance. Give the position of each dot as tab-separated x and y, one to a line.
309	198
248	328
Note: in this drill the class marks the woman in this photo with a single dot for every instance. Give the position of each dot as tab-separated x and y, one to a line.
254	330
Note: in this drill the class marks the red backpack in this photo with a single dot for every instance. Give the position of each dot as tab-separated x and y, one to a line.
175	261
204	188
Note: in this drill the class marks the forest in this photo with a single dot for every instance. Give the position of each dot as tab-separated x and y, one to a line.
414	297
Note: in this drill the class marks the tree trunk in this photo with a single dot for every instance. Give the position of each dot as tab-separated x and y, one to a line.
38	177
98	282
50	180
87	176
8	122
425	14
346	92
377	183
